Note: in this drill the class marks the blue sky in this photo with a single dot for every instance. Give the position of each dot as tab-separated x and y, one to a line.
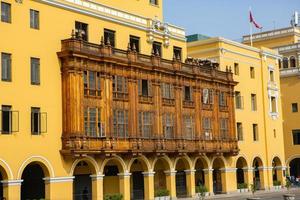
228	18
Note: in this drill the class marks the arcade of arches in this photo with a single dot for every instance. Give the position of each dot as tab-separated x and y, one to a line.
140	177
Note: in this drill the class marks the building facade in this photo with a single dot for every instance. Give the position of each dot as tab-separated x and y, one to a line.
287	42
97	98
261	159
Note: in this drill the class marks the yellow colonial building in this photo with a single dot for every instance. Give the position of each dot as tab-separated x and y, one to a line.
287	42
258	111
98	98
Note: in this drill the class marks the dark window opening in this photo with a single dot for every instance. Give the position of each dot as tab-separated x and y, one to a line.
145	88
6	120
109	37
35	71
5	67
296	137
5	12
154	2
157	48
135	43
255	132
34	19
294	107
177	53
187	93
35	121
81	29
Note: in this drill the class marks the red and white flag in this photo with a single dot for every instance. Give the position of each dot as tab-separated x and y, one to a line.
254	22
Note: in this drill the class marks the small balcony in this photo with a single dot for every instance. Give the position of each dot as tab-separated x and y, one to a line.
120	96
168	102
82	144
188	104
207	106
145	99
223	108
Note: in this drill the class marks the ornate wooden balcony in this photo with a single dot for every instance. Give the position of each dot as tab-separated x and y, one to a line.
92	145
168	102
146	99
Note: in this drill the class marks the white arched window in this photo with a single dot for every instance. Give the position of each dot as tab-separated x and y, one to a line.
285	62
292	61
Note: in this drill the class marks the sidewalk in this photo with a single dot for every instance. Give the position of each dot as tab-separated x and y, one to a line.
268	194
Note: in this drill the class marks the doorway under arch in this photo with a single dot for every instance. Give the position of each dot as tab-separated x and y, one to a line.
218	164
295	168
241	164
33	175
199	173
160	178
82	184
257	173
181	184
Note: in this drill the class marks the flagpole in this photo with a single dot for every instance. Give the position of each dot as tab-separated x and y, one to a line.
250	24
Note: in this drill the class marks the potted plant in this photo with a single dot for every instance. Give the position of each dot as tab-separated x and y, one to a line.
162	194
201	191
113	197
277	185
244	187
239	187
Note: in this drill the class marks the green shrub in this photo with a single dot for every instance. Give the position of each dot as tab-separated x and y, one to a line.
201	189
242	186
161	193
113	197
276	183
288	184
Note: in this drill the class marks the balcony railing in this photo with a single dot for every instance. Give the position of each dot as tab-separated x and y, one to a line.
120	96
168	102
145	99
189	104
84	144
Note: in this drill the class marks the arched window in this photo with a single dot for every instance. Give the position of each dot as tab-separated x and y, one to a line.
292	61
285	62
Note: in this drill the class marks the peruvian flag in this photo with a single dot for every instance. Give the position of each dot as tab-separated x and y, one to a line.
254	22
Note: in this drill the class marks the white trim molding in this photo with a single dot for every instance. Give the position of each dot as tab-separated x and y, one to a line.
59	179
265	168
170	172
124	175
228	169
148	173
190	171
248	169
209	170
11	182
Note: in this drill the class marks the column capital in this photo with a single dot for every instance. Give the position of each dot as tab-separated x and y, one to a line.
281	167
265	168
248	169
58	179
208	170
124	175
148	173
170	172
228	169
190	171
11	182
97	177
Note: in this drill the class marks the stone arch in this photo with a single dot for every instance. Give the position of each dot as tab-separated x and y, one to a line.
33	171
241	166
285	62
186	160
293	163
221	158
218	164
40	160
259	160
292	61
92	163
203	159
277	171
145	163
119	161
166	160
6	170
258	172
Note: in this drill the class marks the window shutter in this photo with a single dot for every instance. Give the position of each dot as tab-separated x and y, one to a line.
172	91
191	93
140	87
43	122
149	88
14	116
125	85
211	96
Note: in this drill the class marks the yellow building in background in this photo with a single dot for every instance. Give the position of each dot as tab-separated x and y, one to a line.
287	42
258	110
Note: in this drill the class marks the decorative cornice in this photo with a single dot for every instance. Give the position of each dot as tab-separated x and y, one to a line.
59	179
265	168
11	182
289	72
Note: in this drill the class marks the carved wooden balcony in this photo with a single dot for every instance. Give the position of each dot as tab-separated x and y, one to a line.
207	106
99	145
223	108
168	102
188	104
145	99
120	96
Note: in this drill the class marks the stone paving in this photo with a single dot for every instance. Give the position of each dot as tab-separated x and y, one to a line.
269	195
